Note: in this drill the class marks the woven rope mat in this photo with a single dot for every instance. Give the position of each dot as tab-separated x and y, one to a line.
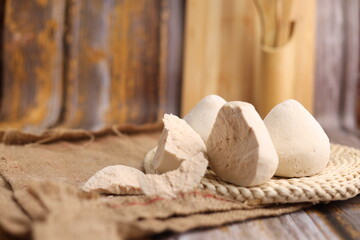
339	181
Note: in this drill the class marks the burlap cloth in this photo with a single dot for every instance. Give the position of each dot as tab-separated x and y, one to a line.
40	197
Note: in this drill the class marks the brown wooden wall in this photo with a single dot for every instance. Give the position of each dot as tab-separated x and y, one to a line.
89	63
337	63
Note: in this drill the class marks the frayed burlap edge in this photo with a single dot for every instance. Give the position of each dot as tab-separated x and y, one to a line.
19	137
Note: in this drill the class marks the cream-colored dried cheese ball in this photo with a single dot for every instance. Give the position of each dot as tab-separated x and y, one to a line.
302	145
202	117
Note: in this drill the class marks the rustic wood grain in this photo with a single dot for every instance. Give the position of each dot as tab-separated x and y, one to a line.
239	33
304	13
220	50
118	62
171	59
329	61
341	217
123	61
135	61
297	225
32	64
201	51
340	136
357	105
337	68
351	63
87	70
2	14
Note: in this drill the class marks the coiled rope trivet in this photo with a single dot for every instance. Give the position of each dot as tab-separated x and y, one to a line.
339	181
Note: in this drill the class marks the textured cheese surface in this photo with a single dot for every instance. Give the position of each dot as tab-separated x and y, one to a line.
301	143
239	147
117	179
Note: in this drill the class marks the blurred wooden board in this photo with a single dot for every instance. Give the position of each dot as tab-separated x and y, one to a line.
222	51
32	63
337	64
89	63
304	14
118	59
219	50
86	69
2	16
329	63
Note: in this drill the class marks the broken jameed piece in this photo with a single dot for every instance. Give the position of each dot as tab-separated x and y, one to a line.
184	179
177	143
239	147
201	118
117	179
181	153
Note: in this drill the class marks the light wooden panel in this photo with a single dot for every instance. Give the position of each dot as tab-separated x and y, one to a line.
223	55
287	71
220	47
304	15
239	32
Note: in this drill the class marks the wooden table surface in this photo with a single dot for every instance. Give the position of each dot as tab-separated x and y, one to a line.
335	220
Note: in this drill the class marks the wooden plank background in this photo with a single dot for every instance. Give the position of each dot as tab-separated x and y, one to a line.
337	66
89	63
220	50
31	63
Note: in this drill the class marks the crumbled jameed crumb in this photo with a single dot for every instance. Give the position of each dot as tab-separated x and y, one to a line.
117	179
